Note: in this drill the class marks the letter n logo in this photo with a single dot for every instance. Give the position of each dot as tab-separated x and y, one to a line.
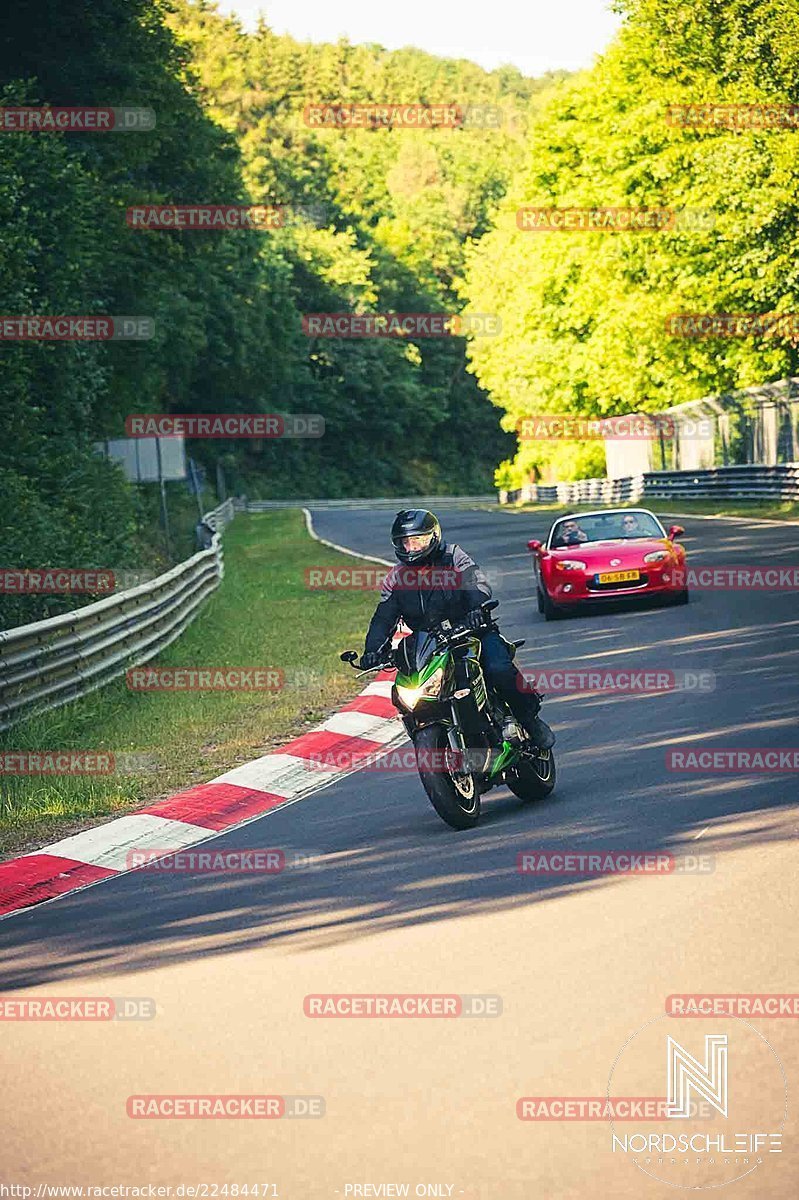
708	1079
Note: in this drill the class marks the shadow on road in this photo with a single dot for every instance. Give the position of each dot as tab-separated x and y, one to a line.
384	861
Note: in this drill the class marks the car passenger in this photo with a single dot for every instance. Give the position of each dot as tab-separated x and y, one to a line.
569	534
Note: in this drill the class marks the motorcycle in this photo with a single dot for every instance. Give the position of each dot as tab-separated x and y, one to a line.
458	725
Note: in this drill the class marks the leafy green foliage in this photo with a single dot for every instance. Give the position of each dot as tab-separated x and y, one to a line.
379	222
584	312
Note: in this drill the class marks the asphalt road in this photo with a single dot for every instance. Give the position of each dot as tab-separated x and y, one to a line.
398	903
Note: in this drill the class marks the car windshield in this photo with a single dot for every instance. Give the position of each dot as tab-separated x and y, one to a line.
602	527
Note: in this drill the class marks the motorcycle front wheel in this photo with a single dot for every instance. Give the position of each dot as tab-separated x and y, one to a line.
453	794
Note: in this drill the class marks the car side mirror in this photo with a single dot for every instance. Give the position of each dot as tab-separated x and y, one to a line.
675	532
534	545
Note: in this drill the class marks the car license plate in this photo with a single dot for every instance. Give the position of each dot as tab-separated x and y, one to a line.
618	576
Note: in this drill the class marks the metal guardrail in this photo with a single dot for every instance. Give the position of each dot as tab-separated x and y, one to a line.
752	482
49	663
603	491
399	502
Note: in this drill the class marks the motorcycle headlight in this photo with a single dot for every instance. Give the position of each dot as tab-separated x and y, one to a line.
410	697
571	564
656	556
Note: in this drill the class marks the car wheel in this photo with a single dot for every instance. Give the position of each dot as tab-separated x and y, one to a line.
551	611
540	599
682	597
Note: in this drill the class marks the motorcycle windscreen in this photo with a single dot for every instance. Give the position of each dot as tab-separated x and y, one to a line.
414	652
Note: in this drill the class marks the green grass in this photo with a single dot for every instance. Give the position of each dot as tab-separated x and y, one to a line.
263	615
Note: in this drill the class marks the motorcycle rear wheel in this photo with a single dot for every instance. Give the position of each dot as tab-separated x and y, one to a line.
532	776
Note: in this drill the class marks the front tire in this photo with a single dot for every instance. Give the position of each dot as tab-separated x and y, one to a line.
551	611
456	799
533	775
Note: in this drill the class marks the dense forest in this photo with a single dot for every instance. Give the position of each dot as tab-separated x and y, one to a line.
376	220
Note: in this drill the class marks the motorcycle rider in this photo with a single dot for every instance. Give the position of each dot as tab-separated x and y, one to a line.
436	580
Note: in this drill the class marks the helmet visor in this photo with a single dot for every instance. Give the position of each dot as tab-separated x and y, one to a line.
414	543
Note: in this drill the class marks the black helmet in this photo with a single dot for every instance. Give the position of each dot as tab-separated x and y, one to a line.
415	522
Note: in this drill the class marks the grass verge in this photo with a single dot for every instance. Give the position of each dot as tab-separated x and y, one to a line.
263	615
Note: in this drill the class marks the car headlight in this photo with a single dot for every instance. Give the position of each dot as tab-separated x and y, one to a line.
570	564
656	556
410	697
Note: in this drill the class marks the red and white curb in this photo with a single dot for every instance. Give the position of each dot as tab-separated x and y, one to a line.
367	726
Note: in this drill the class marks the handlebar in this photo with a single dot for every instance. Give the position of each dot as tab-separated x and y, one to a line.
440	632
352	656
451	634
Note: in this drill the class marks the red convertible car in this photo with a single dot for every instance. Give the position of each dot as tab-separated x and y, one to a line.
612	554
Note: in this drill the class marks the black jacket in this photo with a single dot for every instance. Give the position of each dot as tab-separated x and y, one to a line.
450	584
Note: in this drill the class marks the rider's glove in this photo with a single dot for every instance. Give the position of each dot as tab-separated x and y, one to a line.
475	619
370	660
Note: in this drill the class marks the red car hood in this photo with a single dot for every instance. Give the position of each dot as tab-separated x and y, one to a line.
630	552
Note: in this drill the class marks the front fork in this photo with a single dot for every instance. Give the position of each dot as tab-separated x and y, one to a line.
488	759
477	758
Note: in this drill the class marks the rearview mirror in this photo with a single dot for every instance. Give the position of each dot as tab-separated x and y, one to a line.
675	532
533	544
